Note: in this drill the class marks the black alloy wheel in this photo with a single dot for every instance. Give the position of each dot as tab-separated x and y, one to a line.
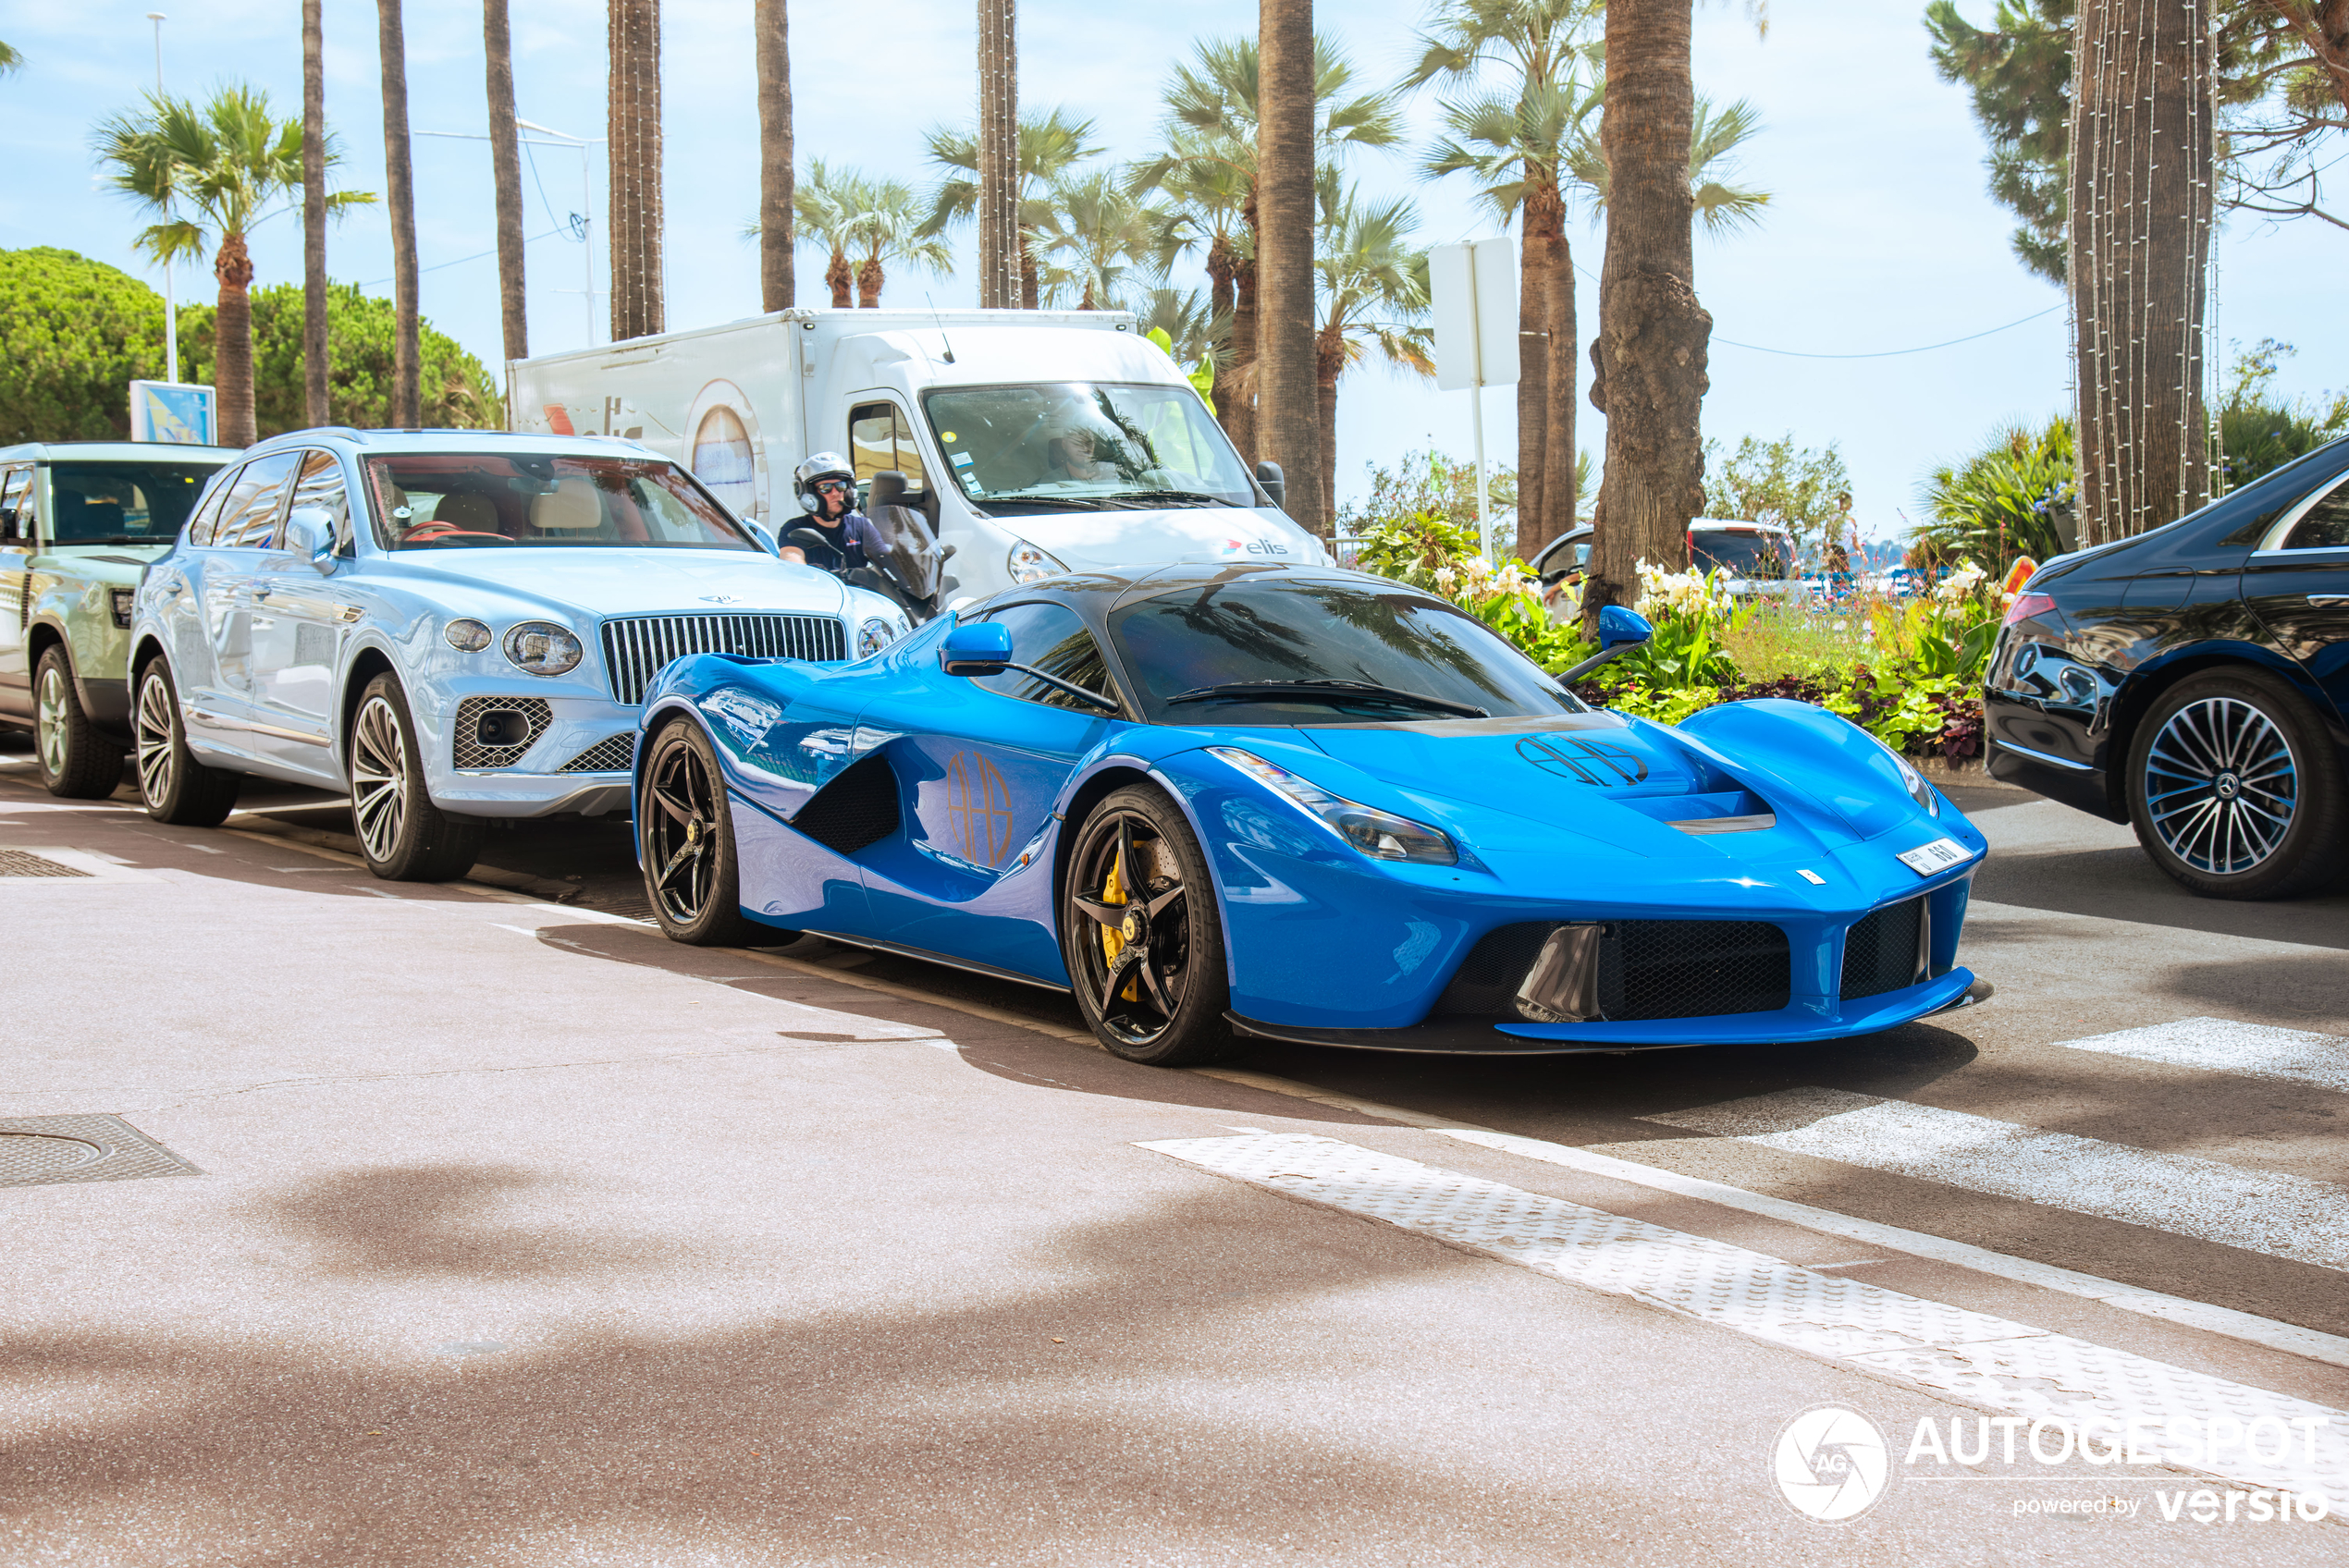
178	788
403	835
77	763
686	841
2234	789
1140	935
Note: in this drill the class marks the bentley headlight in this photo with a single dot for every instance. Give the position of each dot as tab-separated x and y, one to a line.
543	648
1382	835
873	636
467	636
1029	564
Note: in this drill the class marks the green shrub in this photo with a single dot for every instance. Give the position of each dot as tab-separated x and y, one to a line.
77	333
459	391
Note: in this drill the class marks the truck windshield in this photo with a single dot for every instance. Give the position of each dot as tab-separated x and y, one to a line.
1091	446
122	503
451	500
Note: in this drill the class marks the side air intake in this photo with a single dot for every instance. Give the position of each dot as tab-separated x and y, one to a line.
855	811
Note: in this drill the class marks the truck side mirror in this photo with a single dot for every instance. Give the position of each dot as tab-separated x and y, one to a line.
981	648
1275	483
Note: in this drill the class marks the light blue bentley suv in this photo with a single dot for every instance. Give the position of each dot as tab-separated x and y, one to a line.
451	626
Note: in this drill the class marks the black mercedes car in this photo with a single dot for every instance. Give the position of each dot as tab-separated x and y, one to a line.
2193	682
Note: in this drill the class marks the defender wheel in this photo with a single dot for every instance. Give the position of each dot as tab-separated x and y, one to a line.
2234	790
1140	935
75	761
402	835
177	788
685	841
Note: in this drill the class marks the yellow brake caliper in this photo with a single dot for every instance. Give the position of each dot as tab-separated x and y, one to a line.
1112	940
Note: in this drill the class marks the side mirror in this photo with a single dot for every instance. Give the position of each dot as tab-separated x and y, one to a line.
310	533
1622	627
981	648
766	540
1275	483
807	539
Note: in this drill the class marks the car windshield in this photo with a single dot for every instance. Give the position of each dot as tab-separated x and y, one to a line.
122	503
446	501
1282	650
1086	446
1741	554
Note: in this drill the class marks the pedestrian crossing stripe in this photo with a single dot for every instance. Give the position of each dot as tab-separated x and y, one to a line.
2220	1045
1972	1357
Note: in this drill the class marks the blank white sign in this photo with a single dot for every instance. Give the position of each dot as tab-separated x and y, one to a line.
1473	291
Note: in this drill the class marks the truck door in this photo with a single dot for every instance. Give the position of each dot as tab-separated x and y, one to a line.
2298	586
17	526
298	623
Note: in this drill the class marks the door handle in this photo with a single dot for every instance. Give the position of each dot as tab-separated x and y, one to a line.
2329	601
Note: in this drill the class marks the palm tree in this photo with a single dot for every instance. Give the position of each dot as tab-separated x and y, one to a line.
633	125
1373	292
1103	233
1513	142
1197	333
400	188
1211	186
1287	431
772	33
505	166
1714	138
229	163
1212	148
1049	145
1649	366
1004	260
887	228
316	408
825	207
10	59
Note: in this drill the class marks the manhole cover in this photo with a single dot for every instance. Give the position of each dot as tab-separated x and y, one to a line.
32	1156
24	862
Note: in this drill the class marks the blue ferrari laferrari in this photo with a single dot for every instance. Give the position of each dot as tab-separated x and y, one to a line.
1228	801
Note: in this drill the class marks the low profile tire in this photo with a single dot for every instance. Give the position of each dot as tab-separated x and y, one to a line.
177	788
1140	935
402	835
75	761
2234	789
685	841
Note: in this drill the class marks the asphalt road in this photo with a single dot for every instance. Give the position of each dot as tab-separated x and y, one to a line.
520	1235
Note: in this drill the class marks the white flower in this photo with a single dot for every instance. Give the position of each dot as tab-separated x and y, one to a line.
1477	567
1445	579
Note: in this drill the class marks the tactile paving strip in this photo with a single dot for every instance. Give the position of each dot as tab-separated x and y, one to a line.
24	862
1972	1357
41	1150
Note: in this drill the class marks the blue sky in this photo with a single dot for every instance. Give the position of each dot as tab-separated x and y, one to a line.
1880	235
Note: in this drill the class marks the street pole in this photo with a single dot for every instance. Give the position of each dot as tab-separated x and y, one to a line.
1476	411
586	223
170	307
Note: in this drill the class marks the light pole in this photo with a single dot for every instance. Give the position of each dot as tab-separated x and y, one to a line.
585	225
170	307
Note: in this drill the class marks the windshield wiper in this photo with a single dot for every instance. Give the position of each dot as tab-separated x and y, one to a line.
1087	503
1328	690
1160	497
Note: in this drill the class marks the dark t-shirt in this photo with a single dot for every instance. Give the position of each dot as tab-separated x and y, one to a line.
850	542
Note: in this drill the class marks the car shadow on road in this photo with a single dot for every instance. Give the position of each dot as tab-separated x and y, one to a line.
2122	884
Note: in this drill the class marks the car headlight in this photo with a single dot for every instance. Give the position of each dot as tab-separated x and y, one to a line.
467	636
543	648
1913	781
1029	564
1382	835
873	636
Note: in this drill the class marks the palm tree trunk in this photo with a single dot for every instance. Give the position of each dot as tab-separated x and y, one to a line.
869	279
1223	271
1648	366
777	287
316	403
1545	220
232	342
505	166
633	126
1287	431
1027	280
399	195
1239	416
1329	363
1558	497
2140	237
999	250
840	277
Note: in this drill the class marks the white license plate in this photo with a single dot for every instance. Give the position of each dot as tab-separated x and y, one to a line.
1939	855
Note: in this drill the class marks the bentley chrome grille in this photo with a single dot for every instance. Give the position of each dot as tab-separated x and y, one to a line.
636	648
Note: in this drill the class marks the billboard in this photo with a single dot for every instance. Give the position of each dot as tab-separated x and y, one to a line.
176	411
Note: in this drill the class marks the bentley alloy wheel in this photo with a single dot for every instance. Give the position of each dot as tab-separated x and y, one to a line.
1141	936
2227	787
177	788
687	839
75	761
403	835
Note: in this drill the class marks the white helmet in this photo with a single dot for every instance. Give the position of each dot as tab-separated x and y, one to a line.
822	465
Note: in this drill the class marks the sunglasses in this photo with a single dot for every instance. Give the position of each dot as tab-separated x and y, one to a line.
832	487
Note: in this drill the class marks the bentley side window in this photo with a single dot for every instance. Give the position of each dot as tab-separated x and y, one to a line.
249	516
2324	526
320	484
1052	638
207	513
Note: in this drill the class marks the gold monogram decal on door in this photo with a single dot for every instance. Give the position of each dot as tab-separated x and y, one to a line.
980	807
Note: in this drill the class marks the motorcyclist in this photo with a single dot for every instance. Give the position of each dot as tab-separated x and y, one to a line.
827	490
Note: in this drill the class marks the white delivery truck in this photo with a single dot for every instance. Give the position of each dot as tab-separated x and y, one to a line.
1035	442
